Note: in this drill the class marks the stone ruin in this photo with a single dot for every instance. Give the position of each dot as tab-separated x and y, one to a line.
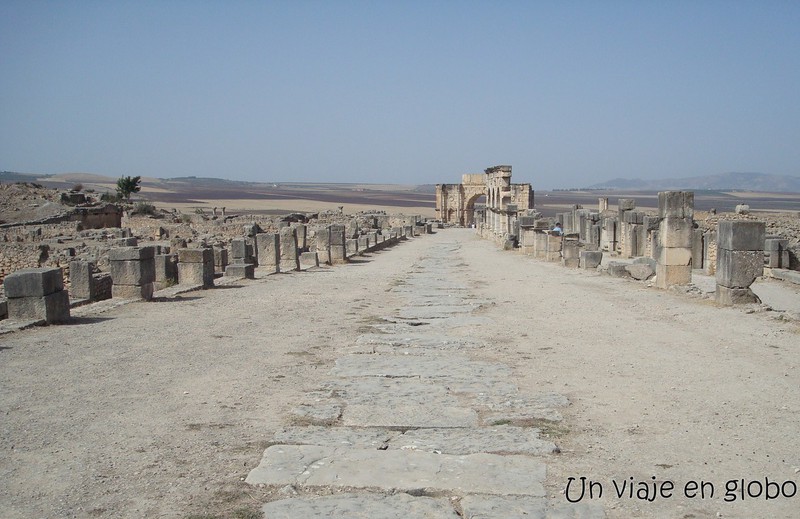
665	246
127	264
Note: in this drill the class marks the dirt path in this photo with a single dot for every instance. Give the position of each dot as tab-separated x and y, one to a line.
162	409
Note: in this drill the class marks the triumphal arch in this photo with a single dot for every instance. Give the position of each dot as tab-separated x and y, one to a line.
455	203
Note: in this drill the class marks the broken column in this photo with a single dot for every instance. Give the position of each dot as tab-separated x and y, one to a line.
338	244
81	281
37	294
674	259
269	252
166	266
243	265
132	272
196	267
740	260
322	237
289	258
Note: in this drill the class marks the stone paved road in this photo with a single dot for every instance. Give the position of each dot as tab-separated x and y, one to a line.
413	426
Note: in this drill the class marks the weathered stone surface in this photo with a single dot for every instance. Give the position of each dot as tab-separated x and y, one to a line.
166	270
360	437
132	291
618	269
204	255
676	232
317	414
240	271
309	260
454	367
312	465
33	282
361	506
407	416
289	260
242	252
590	259
132	272
52	308
196	273
640	271
674	256
739	268
735	296
505	439
741	235
518	507
679	204
268	246
131	253
669	275
81	281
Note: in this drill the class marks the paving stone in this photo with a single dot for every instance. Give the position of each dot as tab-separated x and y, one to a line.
515	507
361	506
364	438
311	465
505	439
317	414
453	366
389	392
407	416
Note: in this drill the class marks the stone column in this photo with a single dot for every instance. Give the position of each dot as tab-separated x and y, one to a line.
37	294
301	231
269	251
220	259
674	258
81	280
338	244
243	265
740	260
133	271
322	237
196	267
289	258
166	268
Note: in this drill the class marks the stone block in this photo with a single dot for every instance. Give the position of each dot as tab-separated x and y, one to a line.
679	204
132	291
269	251
626	204
288	250
590	259
301	231
735	296
204	255
240	270
738	268
363	244
52	308
131	253
196	273
338	254
125	242
352	247
166	270
741	235
242	252
527	221
220	259
3	309
308	260
571	263
618	269
132	272
33	282
676	232
338	234
775	244
636	217
669	275
81	280
674	256
408	231
640	271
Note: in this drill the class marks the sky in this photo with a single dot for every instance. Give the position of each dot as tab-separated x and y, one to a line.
569	93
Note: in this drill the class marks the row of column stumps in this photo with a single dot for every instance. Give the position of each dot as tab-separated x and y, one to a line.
136	272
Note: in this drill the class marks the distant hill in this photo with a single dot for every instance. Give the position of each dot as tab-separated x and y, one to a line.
721	182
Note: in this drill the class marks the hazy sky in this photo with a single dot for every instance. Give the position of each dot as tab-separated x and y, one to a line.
568	93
